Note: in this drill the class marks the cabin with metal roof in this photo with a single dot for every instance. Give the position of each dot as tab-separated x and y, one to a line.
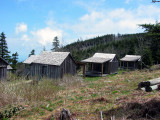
100	64
3	69
50	64
130	62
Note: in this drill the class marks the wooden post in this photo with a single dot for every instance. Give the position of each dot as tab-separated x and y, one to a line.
102	68
127	65
92	67
84	70
134	65
120	64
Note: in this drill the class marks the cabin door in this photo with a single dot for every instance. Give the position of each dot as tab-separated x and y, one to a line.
44	71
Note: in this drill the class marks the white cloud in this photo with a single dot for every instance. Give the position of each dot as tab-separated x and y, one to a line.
21	27
119	20
45	35
25	37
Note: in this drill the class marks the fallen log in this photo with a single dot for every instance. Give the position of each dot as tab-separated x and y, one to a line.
149	83
151	88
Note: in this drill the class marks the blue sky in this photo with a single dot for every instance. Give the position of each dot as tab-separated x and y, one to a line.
32	24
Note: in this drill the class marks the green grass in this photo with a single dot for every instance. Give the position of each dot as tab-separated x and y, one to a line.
91	79
87	98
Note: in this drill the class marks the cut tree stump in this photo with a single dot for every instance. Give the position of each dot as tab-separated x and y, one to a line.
65	114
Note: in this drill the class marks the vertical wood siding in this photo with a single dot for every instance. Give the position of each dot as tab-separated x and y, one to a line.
3	70
114	66
67	67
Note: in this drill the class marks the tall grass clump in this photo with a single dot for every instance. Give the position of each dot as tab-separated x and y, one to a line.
43	90
70	81
7	94
26	92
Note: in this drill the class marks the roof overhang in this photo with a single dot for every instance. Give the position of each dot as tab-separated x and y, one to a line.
96	60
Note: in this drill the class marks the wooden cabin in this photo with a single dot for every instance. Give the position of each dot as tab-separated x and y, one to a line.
50	64
9	68
3	69
130	62
100	64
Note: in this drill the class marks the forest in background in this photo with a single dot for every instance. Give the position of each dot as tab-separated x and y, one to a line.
146	44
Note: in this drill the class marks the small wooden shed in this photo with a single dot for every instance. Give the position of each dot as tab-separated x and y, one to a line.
9	68
3	69
130	62
100	64
50	64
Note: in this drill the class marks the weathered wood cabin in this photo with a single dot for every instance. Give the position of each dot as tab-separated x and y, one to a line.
9	68
3	69
50	64
130	62
100	64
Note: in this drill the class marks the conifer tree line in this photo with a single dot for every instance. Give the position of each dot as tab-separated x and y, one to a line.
5	53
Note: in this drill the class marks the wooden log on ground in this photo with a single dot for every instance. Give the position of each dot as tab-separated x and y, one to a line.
151	88
149	83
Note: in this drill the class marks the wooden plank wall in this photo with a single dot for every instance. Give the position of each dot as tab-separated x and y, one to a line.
67	67
3	70
114	66
52	71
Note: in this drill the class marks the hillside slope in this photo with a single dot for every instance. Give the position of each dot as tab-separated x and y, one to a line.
132	44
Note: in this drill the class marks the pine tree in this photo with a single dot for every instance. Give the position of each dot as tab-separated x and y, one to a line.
14	60
32	53
4	53
153	33
55	44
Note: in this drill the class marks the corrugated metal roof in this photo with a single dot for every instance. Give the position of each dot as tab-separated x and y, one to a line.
30	59
50	58
100	58
131	58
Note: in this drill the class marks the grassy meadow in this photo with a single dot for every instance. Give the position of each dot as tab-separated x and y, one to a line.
115	96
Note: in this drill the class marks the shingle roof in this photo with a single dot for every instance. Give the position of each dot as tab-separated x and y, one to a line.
50	58
30	59
131	58
99	58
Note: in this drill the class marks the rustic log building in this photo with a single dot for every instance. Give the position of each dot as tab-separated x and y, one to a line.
130	62
100	64
50	64
3	69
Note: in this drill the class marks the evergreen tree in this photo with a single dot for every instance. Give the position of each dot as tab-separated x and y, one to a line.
4	53
14	60
153	34
32	53
55	44
147	57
